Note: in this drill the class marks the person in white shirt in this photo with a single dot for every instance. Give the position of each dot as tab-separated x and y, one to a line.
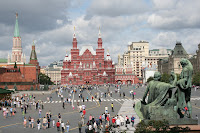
53	123
63	127
118	122
122	120
95	127
90	127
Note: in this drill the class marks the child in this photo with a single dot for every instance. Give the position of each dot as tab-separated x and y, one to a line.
53	123
24	122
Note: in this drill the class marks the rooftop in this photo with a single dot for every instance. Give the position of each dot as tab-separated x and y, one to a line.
3	60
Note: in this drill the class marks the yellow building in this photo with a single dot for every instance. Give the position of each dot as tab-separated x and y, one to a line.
139	57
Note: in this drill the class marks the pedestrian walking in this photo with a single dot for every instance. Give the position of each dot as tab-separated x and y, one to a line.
32	122
67	126
63	105
79	126
58	126
23	114
29	120
44	123
53	123
82	119
24	122
63	126
11	110
39	112
112	106
132	120
38	124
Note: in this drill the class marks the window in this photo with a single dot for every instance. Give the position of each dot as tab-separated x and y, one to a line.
99	64
74	65
87	66
74	79
93	77
99	78
104	81
80	77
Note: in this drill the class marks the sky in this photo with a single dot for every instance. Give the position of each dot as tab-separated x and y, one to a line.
50	23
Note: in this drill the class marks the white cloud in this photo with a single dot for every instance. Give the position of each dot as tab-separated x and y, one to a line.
164	4
164	39
175	14
59	22
115	8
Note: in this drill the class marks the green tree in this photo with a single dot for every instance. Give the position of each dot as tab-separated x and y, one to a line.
149	79
44	79
165	78
158	126
31	89
15	87
196	78
15	66
6	87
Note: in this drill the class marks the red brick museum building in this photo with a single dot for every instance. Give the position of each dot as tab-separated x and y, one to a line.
87	66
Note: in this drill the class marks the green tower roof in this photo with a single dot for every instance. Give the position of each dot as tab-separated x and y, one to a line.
33	53
16	33
179	50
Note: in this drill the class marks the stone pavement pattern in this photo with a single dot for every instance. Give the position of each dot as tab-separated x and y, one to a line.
127	110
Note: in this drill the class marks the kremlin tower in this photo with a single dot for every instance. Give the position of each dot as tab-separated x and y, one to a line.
17	55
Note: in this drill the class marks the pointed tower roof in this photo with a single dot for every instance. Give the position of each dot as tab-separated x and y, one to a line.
99	32
179	50
66	57
99	40
16	32
33	53
74	33
108	56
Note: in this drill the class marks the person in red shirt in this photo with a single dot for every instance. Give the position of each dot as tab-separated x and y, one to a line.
84	112
108	119
58	126
113	120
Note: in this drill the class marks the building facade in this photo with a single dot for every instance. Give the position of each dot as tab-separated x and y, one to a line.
87	66
53	71
173	62
140	57
125	75
160	52
195	60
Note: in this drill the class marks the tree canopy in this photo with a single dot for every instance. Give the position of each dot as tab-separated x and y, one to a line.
196	78
44	79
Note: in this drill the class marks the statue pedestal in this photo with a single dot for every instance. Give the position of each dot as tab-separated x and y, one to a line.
183	121
165	112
